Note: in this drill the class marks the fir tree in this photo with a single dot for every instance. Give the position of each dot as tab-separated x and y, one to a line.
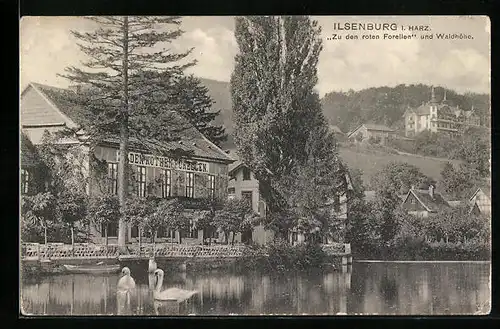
128	65
274	102
196	105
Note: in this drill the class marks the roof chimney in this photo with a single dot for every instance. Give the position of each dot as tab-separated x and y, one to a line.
431	191
412	187
444	98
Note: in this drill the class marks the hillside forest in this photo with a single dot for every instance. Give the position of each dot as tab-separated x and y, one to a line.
386	105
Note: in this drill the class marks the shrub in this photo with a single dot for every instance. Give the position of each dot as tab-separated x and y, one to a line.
280	256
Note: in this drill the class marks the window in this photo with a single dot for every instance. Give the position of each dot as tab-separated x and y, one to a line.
193	231
134	231
141	181
190	185
247	196
211	186
412	201
246	173
25	179
112	229
336	203
113	178
166	183
294	237
231	190
165	233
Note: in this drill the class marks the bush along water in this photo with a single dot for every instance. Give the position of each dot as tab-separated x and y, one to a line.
419	249
281	256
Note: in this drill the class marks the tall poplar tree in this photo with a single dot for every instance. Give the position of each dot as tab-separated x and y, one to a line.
128	66
274	102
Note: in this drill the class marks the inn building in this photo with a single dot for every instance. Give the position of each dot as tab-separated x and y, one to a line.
200	173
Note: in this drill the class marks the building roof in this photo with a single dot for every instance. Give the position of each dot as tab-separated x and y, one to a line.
191	139
371	126
29	156
423	109
455	203
336	129
485	187
432	204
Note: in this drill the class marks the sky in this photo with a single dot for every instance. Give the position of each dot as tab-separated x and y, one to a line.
47	48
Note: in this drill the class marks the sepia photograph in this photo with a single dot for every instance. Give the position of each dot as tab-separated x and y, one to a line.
254	165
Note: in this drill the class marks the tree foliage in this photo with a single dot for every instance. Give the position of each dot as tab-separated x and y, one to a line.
386	105
314	188
236	216
61	199
274	101
398	178
128	65
458	183
37	211
360	232
206	220
168	214
103	210
197	106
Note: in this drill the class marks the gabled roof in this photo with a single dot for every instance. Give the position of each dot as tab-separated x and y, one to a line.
484	187
53	96
431	204
423	109
336	129
371	126
191	139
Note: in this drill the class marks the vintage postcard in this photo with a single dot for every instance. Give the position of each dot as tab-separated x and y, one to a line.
255	165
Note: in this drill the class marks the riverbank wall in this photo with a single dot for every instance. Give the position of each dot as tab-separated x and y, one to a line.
40	259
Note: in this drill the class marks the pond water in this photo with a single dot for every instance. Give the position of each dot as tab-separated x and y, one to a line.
363	288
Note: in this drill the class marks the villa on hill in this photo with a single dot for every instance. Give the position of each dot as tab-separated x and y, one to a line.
438	117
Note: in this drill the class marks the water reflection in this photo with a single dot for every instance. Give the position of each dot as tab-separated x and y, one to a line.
376	288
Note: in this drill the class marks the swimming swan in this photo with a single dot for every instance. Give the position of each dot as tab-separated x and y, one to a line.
174	294
126	282
152	265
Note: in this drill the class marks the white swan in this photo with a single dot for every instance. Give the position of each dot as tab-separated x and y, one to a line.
174	294
152	265
126	282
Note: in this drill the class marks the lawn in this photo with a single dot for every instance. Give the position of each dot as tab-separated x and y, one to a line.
372	161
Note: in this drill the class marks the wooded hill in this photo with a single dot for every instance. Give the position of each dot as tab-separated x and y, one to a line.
386	105
382	105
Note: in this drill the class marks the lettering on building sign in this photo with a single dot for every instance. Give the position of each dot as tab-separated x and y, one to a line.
165	162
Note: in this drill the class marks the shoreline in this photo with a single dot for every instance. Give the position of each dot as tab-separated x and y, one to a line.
421	261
